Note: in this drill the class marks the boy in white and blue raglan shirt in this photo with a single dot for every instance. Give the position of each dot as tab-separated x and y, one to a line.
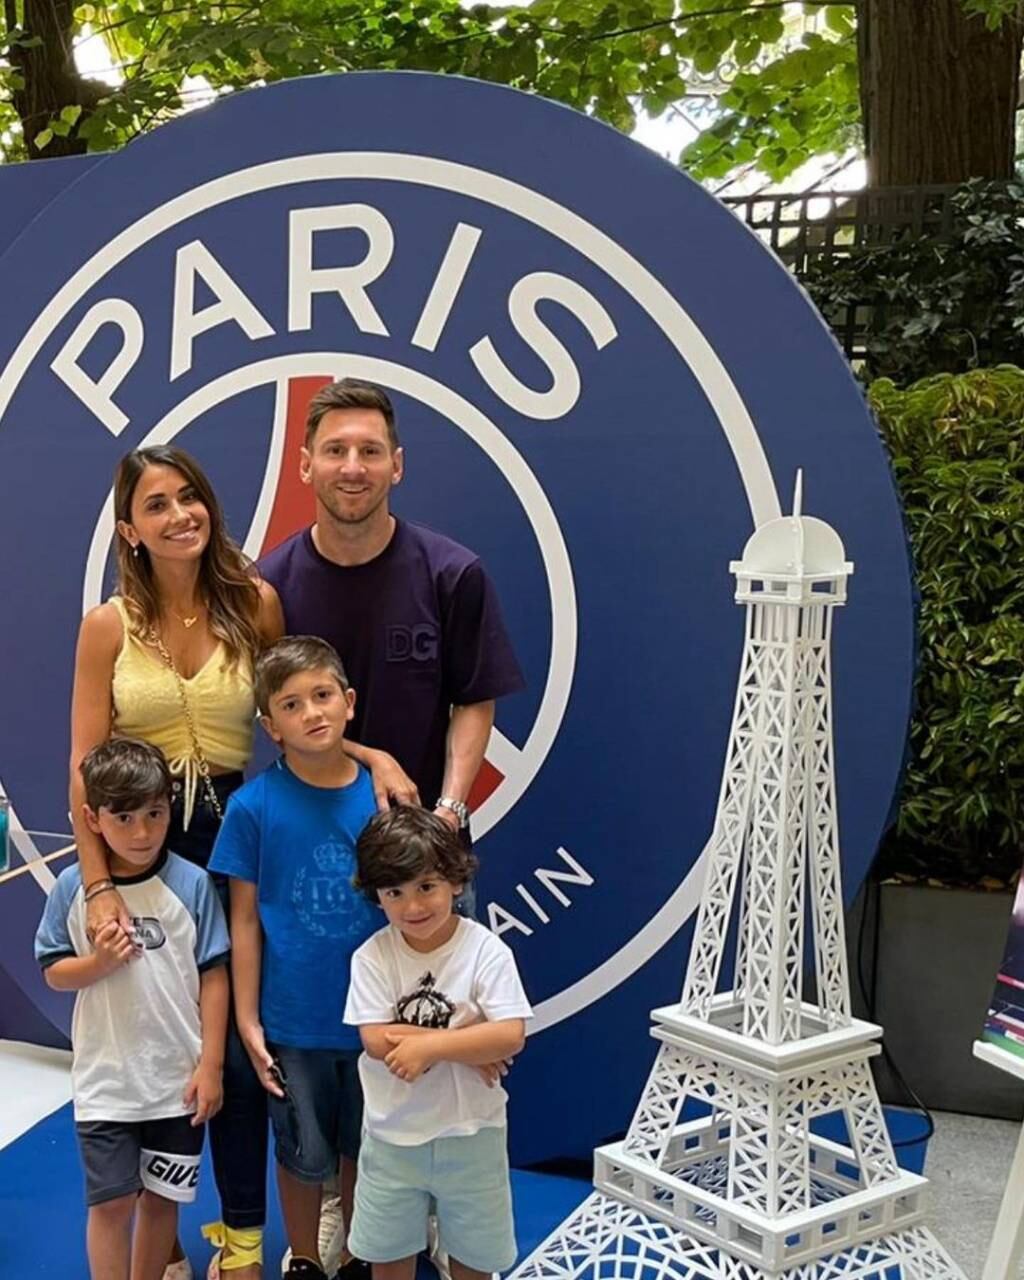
150	1015
288	845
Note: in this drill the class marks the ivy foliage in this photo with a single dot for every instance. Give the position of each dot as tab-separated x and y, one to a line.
957	448
949	303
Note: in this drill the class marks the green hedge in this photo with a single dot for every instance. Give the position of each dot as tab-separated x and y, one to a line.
952	304
957	448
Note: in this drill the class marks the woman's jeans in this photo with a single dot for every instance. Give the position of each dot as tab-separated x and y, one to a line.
238	1132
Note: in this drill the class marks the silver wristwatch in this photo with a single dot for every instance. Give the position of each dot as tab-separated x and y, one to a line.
460	810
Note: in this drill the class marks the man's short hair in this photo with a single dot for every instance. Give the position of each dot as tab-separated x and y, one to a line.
405	843
351	393
276	665
123	774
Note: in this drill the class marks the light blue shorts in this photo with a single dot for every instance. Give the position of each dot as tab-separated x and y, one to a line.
468	1179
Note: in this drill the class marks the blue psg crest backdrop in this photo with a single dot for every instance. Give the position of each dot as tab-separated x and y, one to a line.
603	383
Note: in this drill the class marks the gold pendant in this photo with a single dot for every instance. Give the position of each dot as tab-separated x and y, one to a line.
190	622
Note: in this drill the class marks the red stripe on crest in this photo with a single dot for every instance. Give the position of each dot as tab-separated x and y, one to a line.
293	502
487	781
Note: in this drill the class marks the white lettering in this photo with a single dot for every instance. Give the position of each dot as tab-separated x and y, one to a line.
532	902
500	921
304	280
98	396
538	287
446	286
579	875
232	305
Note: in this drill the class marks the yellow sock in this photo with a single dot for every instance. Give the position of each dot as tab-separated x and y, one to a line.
239	1246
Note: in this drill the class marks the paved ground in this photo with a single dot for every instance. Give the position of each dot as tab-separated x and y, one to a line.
968	1160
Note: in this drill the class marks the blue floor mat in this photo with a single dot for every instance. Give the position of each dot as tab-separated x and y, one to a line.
42	1211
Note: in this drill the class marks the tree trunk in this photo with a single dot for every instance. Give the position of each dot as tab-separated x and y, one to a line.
51	80
938	92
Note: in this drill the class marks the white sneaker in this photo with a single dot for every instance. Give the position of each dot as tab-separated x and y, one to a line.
331	1237
181	1270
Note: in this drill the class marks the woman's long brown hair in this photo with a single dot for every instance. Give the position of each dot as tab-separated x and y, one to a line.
226	579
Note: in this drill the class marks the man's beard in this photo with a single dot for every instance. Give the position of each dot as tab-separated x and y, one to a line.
341	517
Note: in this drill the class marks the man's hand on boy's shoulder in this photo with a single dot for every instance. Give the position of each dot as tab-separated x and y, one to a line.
391	784
206	1091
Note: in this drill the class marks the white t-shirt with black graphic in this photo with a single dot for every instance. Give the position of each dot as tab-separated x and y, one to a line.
136	1033
471	978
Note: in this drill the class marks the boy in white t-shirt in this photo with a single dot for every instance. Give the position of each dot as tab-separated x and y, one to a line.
439	1006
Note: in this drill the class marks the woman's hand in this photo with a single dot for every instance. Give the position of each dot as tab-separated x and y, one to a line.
113	947
104	908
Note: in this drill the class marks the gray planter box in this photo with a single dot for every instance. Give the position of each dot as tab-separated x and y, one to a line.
938	951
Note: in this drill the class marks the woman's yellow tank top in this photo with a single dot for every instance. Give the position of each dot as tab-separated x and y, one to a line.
147	704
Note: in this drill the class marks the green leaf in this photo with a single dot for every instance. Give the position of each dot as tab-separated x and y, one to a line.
839	19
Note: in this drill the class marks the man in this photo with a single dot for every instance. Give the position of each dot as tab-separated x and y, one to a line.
412	613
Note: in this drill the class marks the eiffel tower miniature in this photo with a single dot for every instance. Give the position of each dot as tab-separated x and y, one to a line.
748	1190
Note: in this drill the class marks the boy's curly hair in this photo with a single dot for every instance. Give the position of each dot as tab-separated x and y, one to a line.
405	843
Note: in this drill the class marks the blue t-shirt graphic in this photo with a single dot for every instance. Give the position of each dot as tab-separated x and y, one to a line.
296	843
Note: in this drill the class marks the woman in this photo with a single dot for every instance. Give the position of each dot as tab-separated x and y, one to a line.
169	659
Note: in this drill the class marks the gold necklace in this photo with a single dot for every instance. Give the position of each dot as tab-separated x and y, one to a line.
188	623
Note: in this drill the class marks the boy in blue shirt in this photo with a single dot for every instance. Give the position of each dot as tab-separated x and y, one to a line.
288	845
150	1015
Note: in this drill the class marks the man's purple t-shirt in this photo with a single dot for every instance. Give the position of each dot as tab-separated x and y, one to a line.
419	628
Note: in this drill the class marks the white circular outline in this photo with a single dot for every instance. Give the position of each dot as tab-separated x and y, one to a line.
483	432
503	193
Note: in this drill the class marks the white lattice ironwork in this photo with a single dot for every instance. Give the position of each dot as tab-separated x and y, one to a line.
723	1174
609	1239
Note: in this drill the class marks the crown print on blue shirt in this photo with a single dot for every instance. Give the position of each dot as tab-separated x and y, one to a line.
323	896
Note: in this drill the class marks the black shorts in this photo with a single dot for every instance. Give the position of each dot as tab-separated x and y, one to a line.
321	1115
122	1158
